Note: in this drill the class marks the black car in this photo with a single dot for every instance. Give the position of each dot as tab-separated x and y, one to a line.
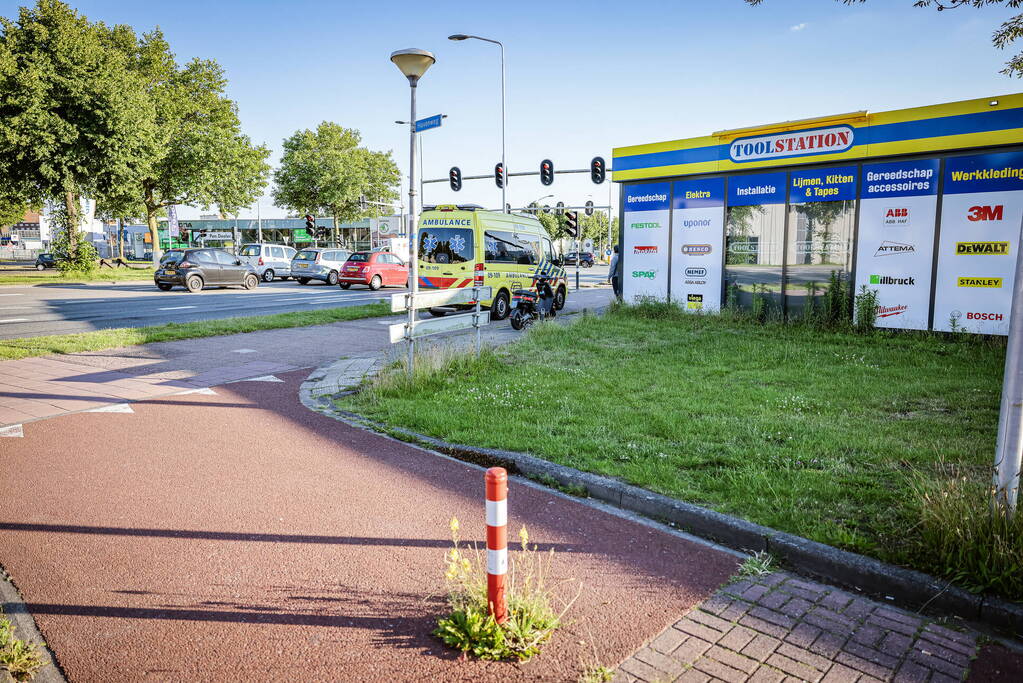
585	259
44	261
194	269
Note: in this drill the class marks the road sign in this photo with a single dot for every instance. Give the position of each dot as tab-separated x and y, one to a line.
449	323
441	297
428	123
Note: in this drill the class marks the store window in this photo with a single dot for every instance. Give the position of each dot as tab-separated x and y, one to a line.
754	243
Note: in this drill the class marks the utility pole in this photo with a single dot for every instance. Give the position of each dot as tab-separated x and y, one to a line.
1009	446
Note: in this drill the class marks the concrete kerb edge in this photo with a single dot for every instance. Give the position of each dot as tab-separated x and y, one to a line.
905	587
25	629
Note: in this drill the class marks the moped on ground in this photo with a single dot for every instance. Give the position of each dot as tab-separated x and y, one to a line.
533	305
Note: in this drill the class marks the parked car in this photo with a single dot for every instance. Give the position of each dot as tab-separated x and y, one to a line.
318	264
585	259
44	261
194	269
269	260
375	269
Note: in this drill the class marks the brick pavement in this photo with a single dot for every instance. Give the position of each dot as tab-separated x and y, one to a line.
780	627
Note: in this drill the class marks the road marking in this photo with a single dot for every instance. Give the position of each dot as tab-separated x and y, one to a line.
116	408
14	320
244	351
174	308
264	378
21	294
13	430
205	391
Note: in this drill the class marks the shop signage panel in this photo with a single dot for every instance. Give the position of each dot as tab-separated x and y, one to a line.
981	218
823	185
760	188
792	143
697	224
895	250
645	258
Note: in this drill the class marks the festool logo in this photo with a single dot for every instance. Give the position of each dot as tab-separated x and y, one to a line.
889	280
641	226
648	274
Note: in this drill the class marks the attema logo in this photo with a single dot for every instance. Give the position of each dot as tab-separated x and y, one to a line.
644	250
985	213
990	282
890	248
696	272
982	248
694	301
889	280
792	143
896	216
644	274
696	249
889	311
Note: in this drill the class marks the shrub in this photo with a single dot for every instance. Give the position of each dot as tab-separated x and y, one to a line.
866	309
21	660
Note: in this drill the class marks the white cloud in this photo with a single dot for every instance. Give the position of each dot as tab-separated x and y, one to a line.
798	27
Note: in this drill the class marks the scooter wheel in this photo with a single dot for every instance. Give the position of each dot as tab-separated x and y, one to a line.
516	321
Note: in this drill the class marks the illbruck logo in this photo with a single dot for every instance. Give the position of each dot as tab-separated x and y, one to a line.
889	248
889	280
888	311
982	248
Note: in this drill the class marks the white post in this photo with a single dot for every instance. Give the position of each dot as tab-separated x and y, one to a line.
1009	446
504	162
259	224
413	255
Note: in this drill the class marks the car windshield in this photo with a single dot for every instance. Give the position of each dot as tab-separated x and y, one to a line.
446	245
307	255
359	257
173	257
250	250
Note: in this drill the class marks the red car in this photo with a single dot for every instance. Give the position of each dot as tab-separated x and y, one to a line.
375	269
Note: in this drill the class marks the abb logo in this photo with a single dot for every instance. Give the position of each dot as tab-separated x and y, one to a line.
896	213
985	213
984	316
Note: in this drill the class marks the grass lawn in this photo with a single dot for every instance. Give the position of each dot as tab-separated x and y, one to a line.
14	275
828	435
132	336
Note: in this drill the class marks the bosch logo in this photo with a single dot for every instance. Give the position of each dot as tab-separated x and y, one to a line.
696	272
984	316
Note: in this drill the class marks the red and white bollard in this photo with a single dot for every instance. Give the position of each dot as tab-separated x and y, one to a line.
497	541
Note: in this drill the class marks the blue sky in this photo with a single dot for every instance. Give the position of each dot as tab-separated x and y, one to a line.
583	77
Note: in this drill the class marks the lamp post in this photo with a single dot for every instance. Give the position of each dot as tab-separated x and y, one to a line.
413	63
536	202
504	164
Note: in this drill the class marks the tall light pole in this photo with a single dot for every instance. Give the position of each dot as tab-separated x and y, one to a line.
504	163
413	63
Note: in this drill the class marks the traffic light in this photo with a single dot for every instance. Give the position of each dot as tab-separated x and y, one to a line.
363	204
589	207
499	175
572	223
310	224
455	177
560	208
597	170
546	172
322	232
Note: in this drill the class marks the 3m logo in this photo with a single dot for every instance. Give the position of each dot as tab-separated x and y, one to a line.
982	248
648	274
889	248
888	311
985	316
896	216
644	250
694	301
696	272
985	213
696	249
991	282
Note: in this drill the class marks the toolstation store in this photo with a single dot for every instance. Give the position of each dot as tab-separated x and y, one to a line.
922	205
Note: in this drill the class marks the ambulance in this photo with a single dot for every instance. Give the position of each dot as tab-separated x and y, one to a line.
460	246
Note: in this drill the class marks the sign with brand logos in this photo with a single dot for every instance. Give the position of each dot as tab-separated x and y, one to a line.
645	219
898	203
697	234
981	215
831	140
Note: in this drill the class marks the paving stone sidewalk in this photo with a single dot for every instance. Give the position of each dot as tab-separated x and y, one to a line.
779	627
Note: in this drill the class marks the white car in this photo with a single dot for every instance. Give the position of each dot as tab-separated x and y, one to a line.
269	260
317	263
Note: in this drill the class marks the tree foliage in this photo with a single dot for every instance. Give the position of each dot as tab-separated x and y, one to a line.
1005	35
325	172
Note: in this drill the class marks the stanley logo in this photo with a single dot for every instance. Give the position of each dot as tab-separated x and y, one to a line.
982	248
992	282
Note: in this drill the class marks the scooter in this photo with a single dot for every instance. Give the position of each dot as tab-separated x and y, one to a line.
533	306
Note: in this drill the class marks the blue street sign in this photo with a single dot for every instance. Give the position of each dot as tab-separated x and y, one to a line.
428	123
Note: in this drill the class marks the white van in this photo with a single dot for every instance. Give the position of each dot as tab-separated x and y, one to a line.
269	260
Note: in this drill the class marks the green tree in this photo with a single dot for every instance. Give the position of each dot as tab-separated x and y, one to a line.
201	157
74	119
1005	35
325	172
820	216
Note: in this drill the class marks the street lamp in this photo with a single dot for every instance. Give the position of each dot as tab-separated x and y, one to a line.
504	164
413	64
536	202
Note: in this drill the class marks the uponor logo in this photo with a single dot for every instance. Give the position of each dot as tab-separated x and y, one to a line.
792	143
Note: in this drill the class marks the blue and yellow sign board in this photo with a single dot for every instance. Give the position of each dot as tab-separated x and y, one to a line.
983	122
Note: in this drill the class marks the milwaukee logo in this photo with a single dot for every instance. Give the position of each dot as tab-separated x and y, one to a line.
888	311
982	248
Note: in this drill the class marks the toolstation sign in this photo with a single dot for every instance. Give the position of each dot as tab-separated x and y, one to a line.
832	140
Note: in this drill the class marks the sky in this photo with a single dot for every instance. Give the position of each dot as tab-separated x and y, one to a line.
582	77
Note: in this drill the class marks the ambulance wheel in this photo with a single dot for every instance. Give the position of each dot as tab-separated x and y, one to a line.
500	308
559	299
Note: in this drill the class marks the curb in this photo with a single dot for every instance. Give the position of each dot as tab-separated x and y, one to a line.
25	629
905	587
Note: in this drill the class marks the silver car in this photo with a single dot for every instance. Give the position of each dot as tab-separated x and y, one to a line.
318	263
269	260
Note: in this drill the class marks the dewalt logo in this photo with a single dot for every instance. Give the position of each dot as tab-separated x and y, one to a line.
982	248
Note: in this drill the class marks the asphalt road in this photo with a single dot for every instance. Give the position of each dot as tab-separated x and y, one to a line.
34	310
